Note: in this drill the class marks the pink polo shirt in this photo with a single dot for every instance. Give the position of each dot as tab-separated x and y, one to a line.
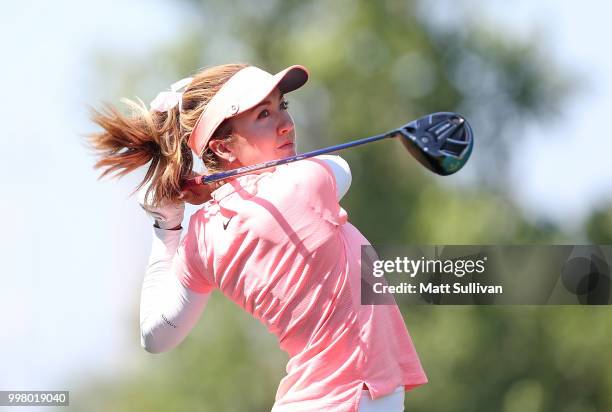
279	245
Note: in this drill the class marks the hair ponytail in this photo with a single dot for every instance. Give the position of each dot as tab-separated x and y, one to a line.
159	139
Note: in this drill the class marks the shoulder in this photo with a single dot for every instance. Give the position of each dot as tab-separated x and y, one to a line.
337	164
324	172
341	171
312	174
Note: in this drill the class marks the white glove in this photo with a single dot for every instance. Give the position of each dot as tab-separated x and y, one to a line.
168	216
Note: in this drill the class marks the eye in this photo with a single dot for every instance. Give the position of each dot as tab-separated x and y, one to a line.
284	105
263	114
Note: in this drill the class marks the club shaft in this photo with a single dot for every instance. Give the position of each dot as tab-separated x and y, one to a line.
247	169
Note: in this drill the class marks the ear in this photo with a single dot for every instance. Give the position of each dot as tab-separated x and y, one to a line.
223	149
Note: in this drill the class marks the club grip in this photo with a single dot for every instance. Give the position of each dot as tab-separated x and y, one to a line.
193	181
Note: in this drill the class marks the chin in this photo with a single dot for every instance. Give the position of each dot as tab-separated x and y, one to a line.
289	151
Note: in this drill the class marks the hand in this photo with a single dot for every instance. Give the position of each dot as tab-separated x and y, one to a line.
196	194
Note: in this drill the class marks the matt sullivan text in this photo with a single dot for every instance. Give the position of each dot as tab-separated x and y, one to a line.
443	288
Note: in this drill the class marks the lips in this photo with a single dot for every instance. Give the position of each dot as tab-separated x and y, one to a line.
286	145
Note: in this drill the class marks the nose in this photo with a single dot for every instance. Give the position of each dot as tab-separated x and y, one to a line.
285	125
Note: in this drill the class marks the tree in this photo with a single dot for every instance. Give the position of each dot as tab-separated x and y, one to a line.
374	66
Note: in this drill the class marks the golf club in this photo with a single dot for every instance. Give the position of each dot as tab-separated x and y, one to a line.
442	142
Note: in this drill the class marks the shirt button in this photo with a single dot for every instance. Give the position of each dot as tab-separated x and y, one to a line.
234	108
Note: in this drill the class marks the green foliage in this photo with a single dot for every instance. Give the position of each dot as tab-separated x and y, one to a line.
374	66
599	226
229	362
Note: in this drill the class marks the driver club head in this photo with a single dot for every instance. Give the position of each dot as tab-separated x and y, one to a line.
442	142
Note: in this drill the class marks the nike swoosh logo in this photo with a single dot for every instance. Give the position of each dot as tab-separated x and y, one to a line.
227	223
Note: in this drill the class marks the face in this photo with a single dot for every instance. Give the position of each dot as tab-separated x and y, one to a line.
263	133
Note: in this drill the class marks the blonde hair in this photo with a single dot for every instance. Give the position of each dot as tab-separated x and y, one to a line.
159	138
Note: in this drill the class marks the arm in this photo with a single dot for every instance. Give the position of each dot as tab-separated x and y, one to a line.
342	173
168	309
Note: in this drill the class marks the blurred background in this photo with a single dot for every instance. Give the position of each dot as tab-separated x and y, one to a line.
533	78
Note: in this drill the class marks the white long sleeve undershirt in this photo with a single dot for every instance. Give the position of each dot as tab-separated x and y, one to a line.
168	309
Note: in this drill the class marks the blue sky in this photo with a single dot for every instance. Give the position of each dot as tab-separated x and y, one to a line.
69	310
565	169
67	307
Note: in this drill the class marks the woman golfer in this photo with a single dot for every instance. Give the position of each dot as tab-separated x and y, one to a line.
276	242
